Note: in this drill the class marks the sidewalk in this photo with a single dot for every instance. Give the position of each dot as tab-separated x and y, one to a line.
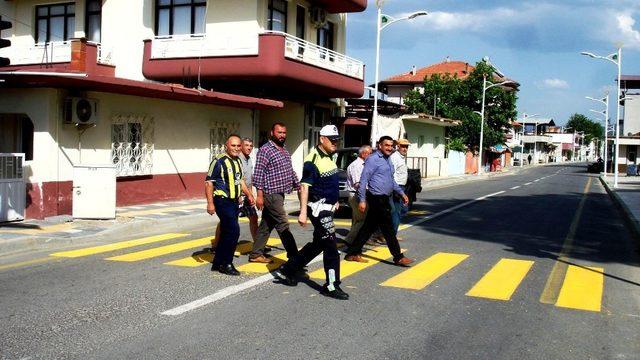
626	197
138	220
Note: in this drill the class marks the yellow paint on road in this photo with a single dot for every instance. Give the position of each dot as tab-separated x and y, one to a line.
200	259
421	275
582	288
162	250
117	246
348	268
25	263
552	287
502	280
418	212
258	268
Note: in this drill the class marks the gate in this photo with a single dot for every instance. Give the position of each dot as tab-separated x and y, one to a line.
12	187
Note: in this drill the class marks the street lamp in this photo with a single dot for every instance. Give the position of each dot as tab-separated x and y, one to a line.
485	87
615	58
604	101
387	20
524	117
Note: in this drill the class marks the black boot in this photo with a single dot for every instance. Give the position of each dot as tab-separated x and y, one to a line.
228	269
336	293
285	275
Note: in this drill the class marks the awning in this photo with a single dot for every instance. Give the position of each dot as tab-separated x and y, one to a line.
566	146
353	121
500	148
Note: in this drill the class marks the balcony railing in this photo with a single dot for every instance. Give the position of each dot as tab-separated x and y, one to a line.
199	45
310	53
105	54
537	138
51	52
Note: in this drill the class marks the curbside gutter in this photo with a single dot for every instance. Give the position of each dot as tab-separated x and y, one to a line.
630	219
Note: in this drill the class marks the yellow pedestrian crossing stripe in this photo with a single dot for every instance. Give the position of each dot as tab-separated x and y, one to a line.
200	259
259	268
502	280
348	268
421	275
117	246
162	250
582	288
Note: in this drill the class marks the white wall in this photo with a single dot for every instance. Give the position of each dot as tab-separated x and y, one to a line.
631	115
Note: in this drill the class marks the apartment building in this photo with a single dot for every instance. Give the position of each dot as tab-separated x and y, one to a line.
153	87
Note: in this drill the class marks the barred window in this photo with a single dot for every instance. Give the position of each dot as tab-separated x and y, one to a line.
132	145
218	136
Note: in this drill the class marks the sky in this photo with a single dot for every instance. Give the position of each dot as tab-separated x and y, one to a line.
536	43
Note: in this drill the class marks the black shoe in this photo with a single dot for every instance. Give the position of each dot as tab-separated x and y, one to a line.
285	276
228	269
336	293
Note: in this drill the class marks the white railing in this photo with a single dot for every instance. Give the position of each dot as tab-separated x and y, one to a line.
132	159
537	138
310	53
46	53
199	45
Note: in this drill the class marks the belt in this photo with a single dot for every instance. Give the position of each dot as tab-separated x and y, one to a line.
225	198
318	206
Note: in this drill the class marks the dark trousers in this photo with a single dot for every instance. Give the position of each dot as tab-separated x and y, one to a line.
274	216
379	215
227	210
324	240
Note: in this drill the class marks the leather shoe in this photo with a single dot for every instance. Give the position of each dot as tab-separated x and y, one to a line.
228	269
285	276
403	261
260	259
336	293
356	258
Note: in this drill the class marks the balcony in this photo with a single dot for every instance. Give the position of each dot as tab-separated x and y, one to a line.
76	55
274	62
537	138
342	6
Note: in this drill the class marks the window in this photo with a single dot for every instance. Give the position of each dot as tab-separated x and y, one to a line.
16	134
317	118
301	24
277	17
93	20
420	141
218	137
55	22
132	145
180	17
325	35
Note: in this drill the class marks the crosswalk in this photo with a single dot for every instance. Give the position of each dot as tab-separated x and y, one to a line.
582	287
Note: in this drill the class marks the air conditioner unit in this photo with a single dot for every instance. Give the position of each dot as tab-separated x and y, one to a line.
80	111
318	17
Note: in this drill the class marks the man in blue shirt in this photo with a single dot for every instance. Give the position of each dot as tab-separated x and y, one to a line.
376	188
319	199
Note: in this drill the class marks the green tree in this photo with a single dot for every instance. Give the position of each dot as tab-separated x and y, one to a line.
592	129
457	99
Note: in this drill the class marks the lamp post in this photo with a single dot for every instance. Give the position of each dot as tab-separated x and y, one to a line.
524	121
615	58
387	20
485	87
604	101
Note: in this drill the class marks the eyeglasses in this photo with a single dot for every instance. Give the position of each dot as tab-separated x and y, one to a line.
404	146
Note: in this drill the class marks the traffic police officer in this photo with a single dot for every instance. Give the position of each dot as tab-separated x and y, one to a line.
318	200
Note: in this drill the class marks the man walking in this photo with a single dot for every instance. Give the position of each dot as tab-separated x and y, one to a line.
375	190
222	188
273	177
354	171
318	200
400	173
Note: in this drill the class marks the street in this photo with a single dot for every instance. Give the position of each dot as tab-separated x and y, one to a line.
533	265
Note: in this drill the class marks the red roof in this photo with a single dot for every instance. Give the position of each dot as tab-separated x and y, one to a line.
88	82
459	68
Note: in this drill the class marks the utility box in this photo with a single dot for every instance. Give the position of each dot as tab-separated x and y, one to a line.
12	187
94	192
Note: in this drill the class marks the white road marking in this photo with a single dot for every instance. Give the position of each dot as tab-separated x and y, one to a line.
536	180
234	289
72	231
527	184
515	187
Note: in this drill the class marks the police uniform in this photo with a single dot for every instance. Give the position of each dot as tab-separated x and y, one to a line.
320	174
225	173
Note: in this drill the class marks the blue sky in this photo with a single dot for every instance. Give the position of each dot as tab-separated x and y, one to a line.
537	43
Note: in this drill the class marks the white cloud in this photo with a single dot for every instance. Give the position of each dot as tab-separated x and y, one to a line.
630	36
553	84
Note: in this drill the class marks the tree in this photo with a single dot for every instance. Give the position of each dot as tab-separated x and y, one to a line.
592	130
450	97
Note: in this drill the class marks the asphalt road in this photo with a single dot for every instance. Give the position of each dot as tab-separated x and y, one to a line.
537	265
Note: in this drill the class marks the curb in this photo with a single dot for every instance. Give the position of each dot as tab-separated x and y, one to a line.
630	220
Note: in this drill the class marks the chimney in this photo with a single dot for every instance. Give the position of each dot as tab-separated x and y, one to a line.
413	70
447	60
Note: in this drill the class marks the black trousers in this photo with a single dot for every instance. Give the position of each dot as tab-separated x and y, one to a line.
378	216
324	240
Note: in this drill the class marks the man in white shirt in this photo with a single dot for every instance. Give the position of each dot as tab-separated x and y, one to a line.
400	175
354	170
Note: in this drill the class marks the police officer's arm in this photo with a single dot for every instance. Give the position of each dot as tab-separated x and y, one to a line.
309	177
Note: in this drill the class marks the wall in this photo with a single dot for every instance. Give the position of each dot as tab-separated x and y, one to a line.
395	93
631	115
430	132
293	117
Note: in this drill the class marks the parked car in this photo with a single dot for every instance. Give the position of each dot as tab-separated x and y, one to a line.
345	156
596	167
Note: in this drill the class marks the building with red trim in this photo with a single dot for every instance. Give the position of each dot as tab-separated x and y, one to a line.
165	81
